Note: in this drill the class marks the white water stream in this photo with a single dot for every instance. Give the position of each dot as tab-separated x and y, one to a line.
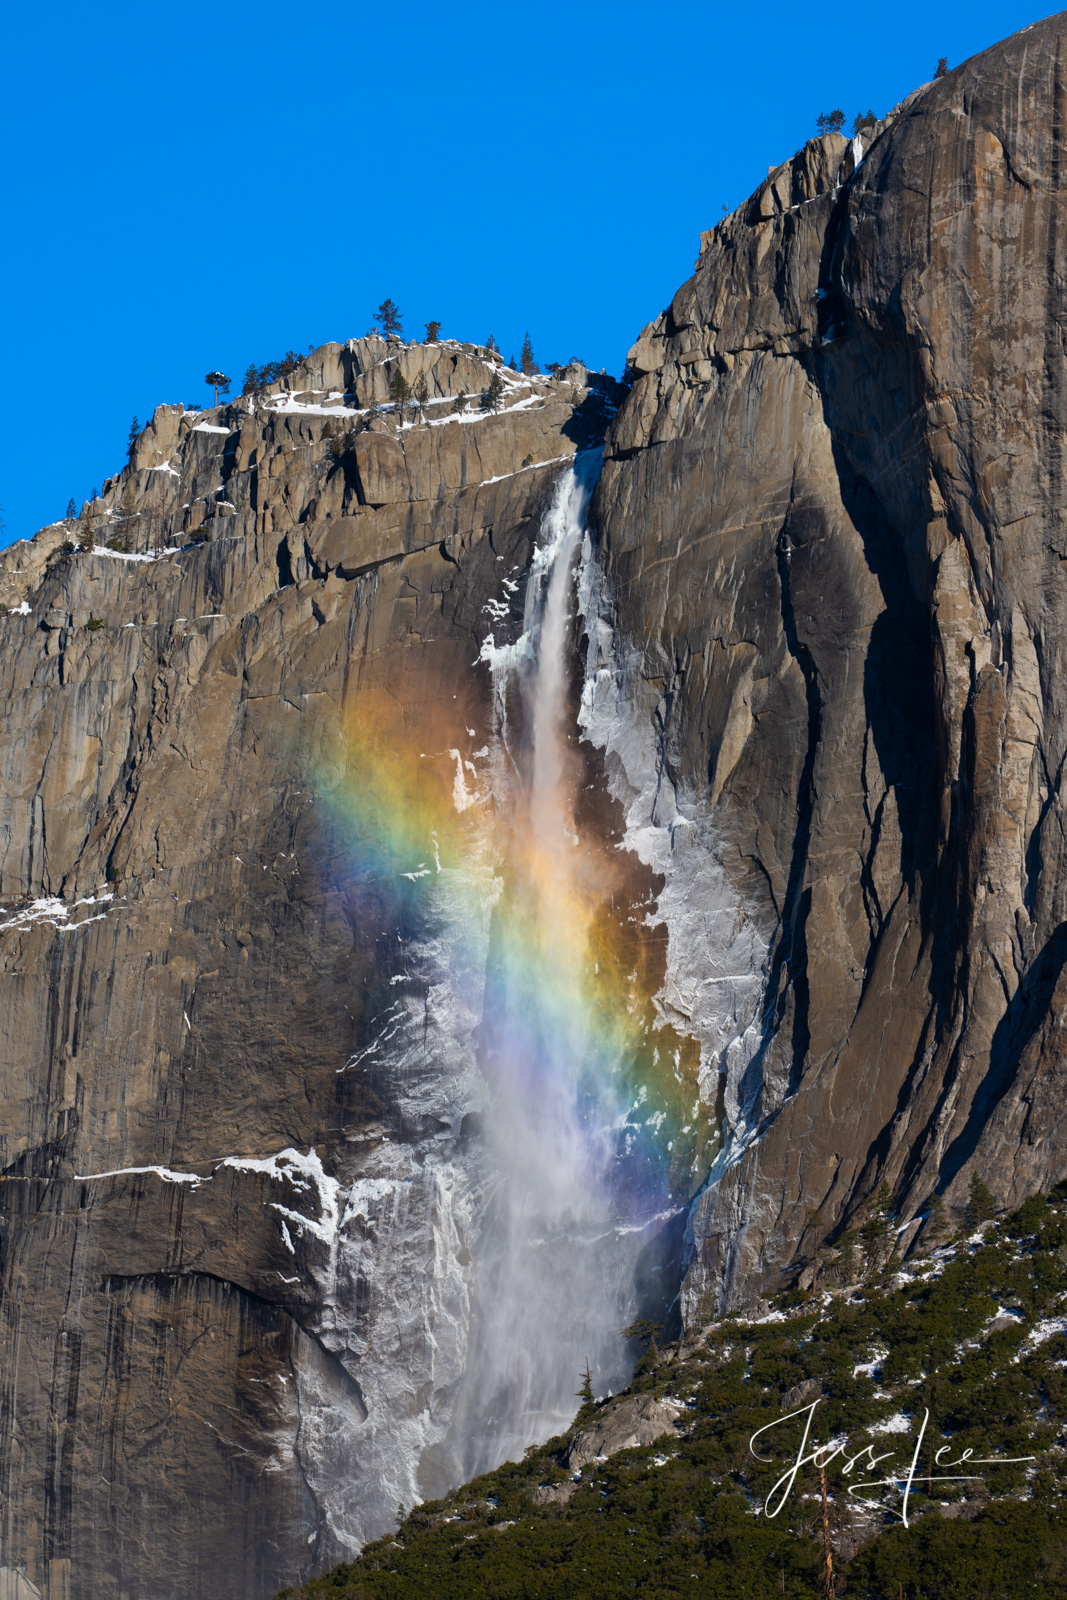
470	1276
554	1280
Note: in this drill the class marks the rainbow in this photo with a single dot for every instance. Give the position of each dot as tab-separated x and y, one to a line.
569	1025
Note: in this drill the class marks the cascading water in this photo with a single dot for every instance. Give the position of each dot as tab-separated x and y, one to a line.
555	1279
528	1013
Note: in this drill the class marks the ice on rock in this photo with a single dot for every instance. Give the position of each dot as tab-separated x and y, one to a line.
716	953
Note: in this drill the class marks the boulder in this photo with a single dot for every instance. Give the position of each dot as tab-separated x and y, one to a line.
638	1419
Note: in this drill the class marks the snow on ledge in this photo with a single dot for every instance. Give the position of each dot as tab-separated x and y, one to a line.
50	909
337	1203
303	1172
165	1173
151	555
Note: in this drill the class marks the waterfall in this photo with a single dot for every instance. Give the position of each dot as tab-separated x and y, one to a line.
557	1262
537	1021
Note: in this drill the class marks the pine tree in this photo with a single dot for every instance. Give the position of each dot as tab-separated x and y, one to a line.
980	1205
219	381
387	317
942	67
399	393
135	428
645	1333
878	1232
847	1256
512	365
494	393
863	119
491	345
815	1225
527	365
421	392
127	517
936	1227
433	331
586	1396
460	402
94	494
72	510
649	1359
251	383
830	121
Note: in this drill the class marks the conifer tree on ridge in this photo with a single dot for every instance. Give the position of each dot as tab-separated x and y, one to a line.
388	317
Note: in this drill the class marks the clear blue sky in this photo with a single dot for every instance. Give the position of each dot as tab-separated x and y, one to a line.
197	186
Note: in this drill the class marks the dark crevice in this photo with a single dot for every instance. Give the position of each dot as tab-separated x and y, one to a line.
315	570
788	969
1024	1014
1034	861
792	948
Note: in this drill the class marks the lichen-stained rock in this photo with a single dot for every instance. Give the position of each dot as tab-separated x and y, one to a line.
235	1282
832	514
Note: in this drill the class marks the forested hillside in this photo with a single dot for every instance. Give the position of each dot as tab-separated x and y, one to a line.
973	1331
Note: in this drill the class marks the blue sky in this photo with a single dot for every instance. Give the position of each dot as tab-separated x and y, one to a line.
199	186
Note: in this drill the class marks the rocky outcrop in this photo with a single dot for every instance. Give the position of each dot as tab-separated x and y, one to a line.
236	1268
833	522
636	1420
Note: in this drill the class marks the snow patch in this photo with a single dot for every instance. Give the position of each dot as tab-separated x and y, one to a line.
303	1174
50	909
124	555
1047	1328
897	1423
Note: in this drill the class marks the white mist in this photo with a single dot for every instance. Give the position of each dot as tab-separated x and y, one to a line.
554	1281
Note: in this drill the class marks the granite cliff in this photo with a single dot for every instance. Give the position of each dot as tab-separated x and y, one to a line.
833	516
818	680
190	966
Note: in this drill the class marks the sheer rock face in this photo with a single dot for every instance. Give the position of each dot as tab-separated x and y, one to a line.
833	515
217	1377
